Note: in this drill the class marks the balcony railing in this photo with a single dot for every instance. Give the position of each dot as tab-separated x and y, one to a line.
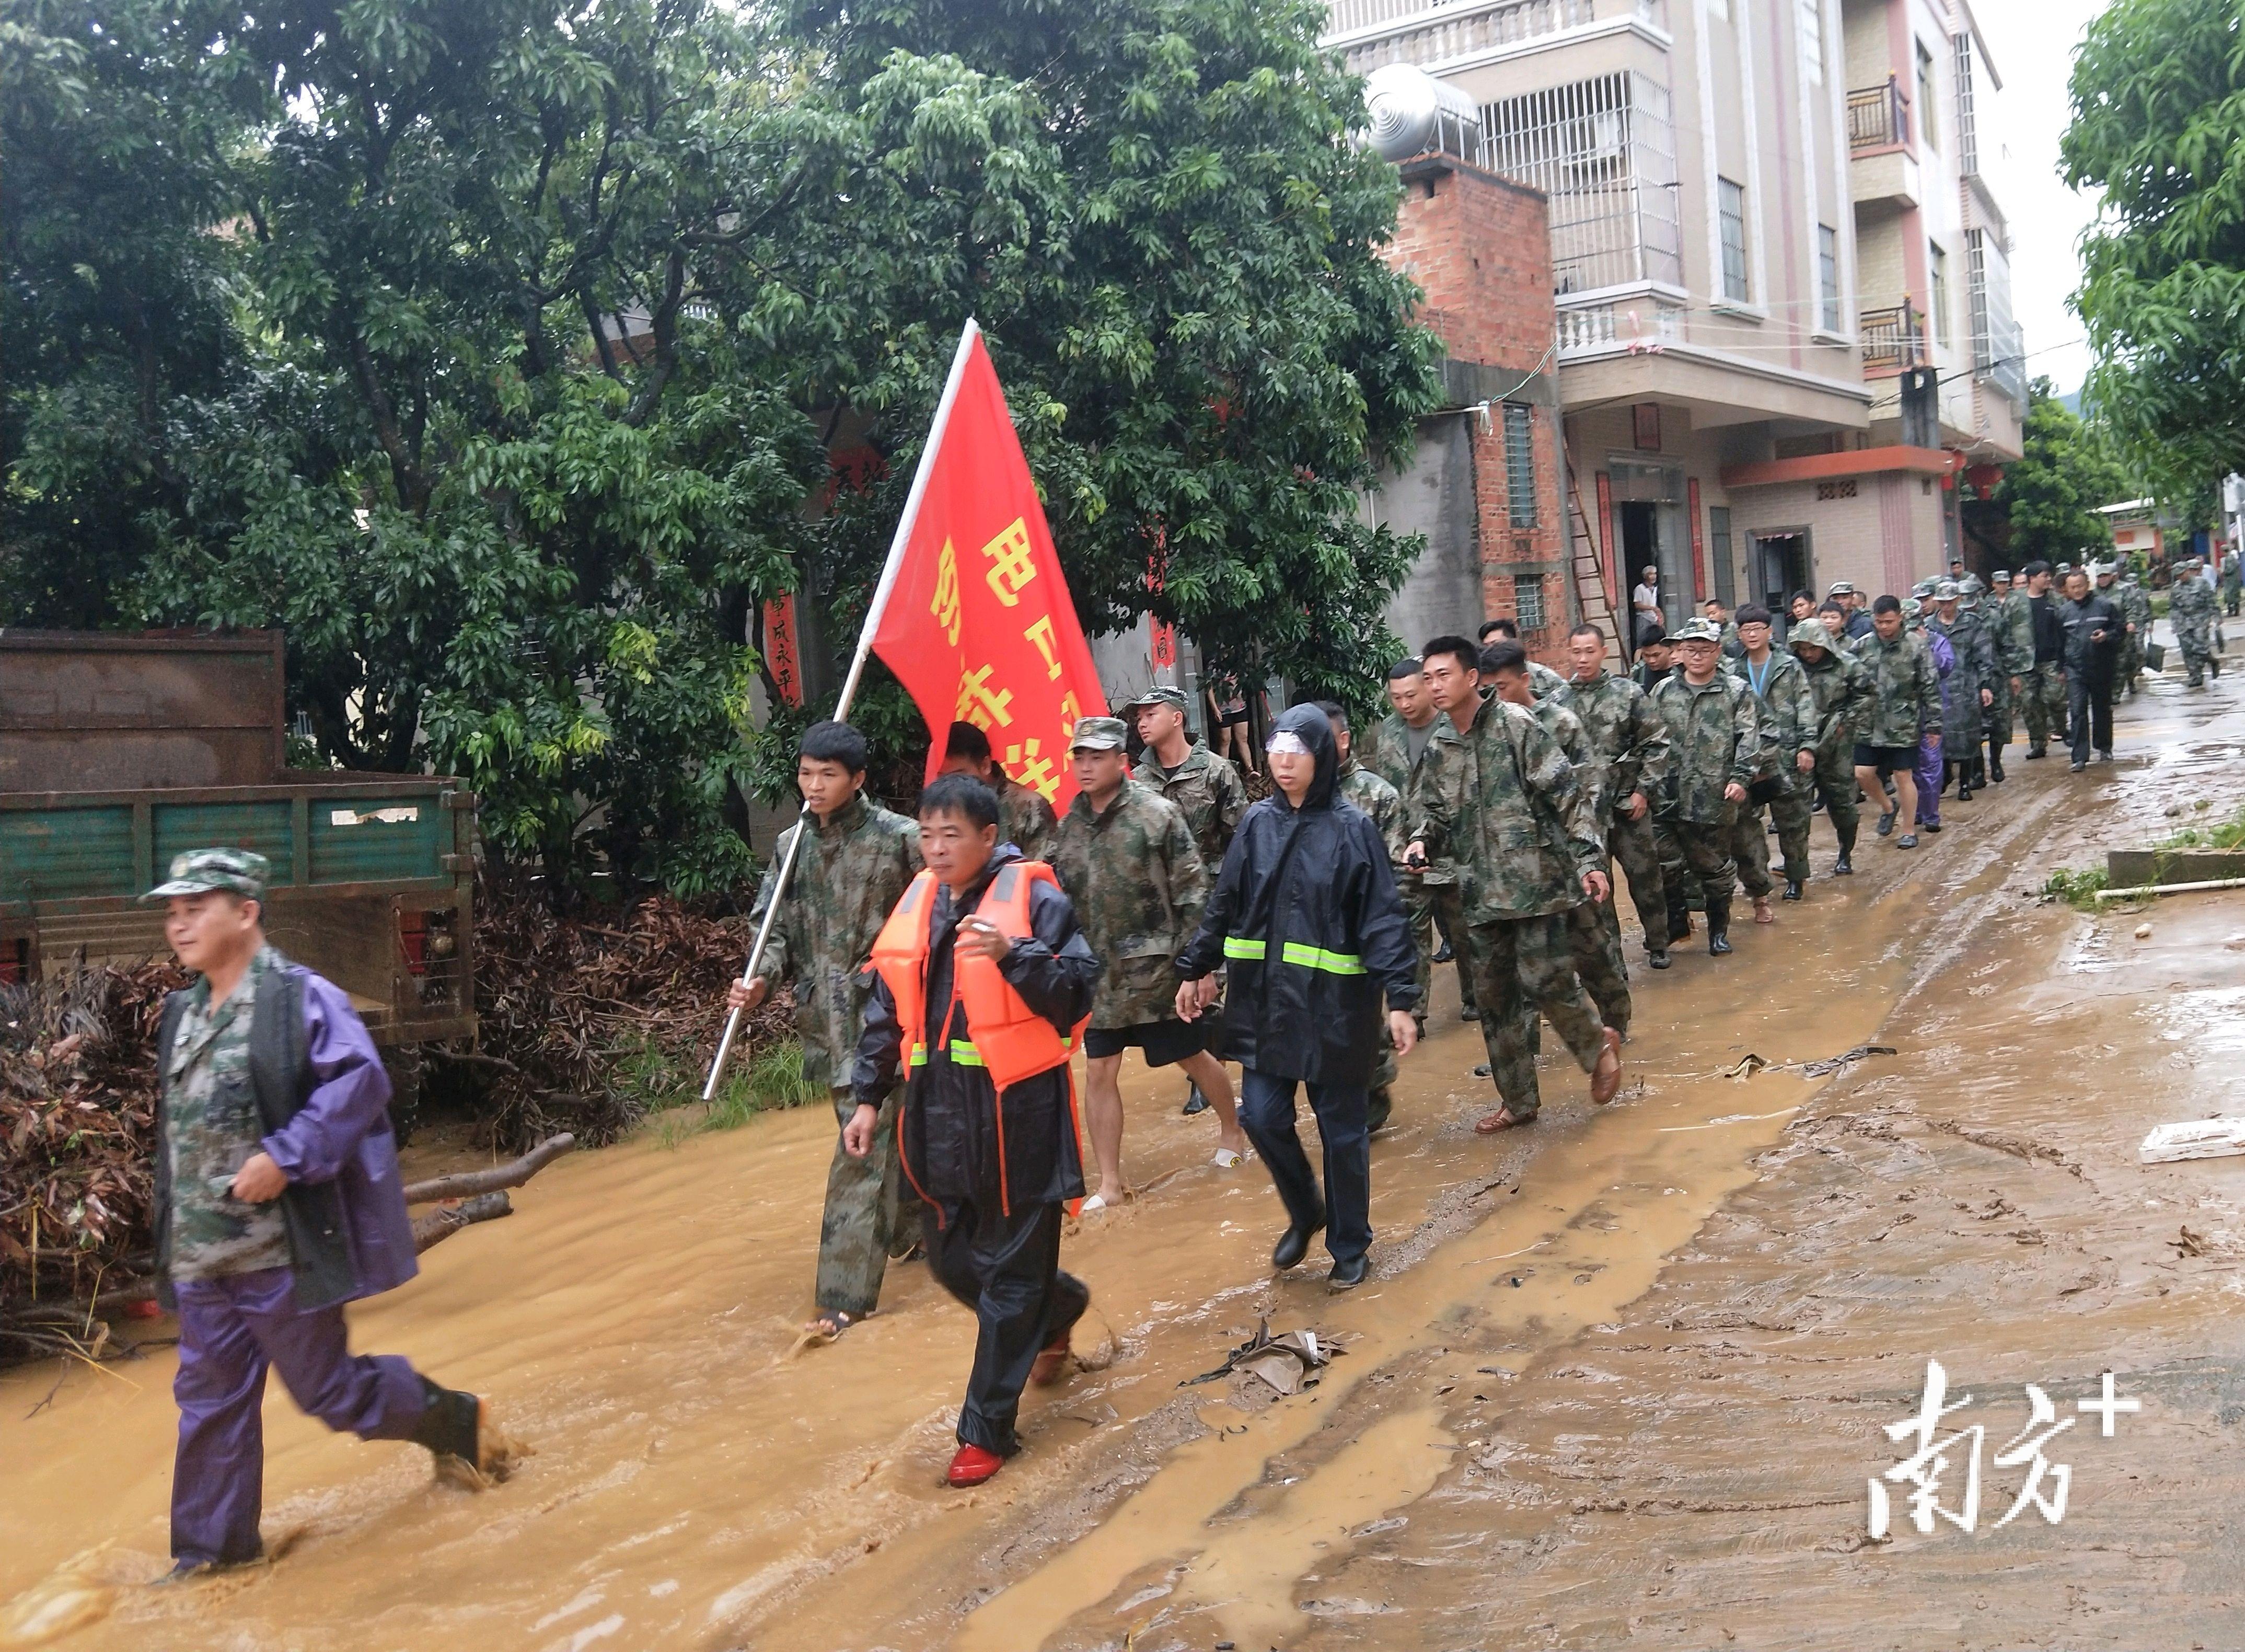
1878	117
1892	338
1432	31
1635	327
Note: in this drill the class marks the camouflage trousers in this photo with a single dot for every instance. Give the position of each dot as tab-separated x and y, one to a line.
1419	913
2197	651
1522	965
1443	902
2132	662
1750	848
2043	690
1630	844
1998	719
1791	815
866	1222
1701	849
1594	935
1834	782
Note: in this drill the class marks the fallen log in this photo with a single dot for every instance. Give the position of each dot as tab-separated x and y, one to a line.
467	1183
434	1227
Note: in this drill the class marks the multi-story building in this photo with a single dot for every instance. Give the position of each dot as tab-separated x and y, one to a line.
1784	324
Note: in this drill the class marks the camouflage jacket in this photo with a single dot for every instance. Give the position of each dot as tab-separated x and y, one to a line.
1573	743
2135	606
2190	610
1629	743
1976	667
1714	737
1135	879
1387	753
1376	797
210	1129
1905	692
1789	721
1025	818
1842	688
1543	681
1210	792
2011	629
849	875
1501	800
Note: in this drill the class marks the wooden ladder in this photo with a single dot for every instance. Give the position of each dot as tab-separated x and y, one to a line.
1591	593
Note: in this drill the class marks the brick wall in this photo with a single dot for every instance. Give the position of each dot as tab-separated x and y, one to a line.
1480	248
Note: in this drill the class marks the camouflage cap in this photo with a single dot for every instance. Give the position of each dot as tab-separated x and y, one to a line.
2002	576
1946	590
1970	586
1697	630
1922	589
1160	695
1840	588
201	871
1100	734
1911	608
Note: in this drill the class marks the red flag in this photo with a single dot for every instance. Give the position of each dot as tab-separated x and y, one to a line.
978	625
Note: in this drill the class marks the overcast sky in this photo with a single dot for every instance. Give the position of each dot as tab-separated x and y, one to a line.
2032	42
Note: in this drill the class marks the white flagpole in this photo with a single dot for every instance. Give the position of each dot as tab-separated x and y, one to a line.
905	523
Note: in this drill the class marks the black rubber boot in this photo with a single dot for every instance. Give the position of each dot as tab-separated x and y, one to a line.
1680	918
448	1427
1377	1109
1792	890
1719	924
1195	1102
1996	764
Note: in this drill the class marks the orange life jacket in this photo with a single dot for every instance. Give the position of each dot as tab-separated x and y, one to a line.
1004	1035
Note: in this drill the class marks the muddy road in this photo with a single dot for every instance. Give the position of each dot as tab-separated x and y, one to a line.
1619	1380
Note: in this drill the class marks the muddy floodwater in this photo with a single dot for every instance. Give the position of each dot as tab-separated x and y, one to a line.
1618	1380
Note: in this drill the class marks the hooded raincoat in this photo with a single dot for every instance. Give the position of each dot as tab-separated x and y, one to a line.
1307	917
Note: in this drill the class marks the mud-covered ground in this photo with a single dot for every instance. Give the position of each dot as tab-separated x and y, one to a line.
1618	1380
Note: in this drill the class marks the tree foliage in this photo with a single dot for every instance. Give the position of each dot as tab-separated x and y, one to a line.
495	348
2051	494
2159	125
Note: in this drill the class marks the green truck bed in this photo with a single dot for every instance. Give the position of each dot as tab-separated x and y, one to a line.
372	882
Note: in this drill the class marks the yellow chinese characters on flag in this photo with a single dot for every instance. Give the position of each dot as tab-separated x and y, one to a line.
979	628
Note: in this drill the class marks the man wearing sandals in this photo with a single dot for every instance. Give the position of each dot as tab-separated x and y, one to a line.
1504	802
985	983
851	868
1127	858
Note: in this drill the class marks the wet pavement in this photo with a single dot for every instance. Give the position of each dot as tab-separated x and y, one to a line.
1617	1380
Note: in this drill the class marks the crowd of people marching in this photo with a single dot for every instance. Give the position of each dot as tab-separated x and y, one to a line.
945	969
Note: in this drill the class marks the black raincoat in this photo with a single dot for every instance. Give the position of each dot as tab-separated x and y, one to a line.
953	1147
1307	918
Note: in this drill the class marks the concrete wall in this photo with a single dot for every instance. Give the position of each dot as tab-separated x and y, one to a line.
1436	497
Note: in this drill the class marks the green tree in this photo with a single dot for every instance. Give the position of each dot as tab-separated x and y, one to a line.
1211	359
2159	125
2052	495
495	350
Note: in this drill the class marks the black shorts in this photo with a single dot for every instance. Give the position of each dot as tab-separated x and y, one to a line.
1164	1043
1888	760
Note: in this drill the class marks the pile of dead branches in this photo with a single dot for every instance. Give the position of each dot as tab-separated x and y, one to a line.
77	1120
586	1018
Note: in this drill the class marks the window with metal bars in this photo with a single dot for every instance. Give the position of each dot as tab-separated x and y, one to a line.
1733	208
1520	463
1528	603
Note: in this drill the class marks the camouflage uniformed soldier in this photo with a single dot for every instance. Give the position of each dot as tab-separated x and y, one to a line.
1973	598
1630	744
1394	748
1205	786
2191	612
1969	693
210	1123
1356	784
1790	725
2011	629
1498	796
853	869
1714	748
1543	681
1842	692
1128	864
1209	791
2233	584
2042	638
1656	659
1595	940
1904	709
1025	814
2135	606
